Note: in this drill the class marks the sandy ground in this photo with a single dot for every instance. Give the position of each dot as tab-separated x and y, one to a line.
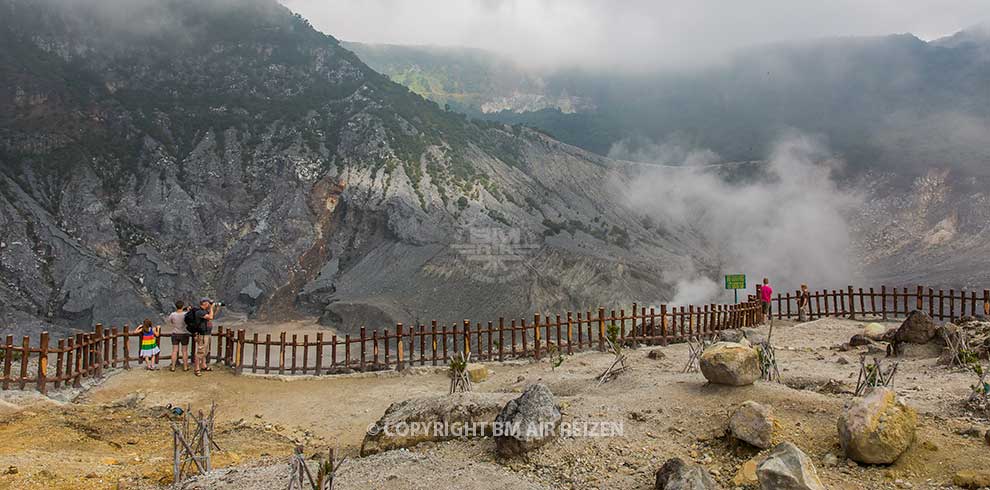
111	435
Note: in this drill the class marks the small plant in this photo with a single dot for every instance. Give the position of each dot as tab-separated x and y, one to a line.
612	334
979	398
768	362
459	379
873	375
556	357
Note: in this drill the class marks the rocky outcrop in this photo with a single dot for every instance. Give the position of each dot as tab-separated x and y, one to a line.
675	474
788	468
731	364
877	428
411	422
527	422
306	185
753	423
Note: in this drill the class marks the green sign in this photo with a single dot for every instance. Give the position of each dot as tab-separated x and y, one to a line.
735	281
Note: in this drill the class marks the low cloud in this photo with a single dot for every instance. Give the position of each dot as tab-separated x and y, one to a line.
631	34
784	219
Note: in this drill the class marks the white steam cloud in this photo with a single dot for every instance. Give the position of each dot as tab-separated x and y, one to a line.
784	219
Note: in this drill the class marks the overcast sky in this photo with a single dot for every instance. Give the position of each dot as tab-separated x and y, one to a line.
629	32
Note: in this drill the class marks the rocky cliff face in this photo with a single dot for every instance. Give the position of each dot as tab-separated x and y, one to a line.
169	149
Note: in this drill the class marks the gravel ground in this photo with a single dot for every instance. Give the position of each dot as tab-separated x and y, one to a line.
663	413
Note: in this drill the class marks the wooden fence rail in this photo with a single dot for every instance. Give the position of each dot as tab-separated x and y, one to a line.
87	355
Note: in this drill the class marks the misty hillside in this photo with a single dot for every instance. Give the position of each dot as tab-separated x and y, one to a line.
161	149
889	101
468	80
907	117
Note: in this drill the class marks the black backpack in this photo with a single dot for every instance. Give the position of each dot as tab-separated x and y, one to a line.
190	318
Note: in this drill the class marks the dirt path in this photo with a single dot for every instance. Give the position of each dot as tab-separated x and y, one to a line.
663	414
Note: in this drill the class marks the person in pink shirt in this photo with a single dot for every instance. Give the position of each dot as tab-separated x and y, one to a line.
766	294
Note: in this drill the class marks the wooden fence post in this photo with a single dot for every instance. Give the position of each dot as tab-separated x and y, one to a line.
240	351
98	333
8	357
399	363
570	333
663	325
601	329
127	346
25	355
852	304
60	364
364	337
319	353
536	336
921	298
43	364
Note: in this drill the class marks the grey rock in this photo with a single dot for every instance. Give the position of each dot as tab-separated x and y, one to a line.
788	468
410	422
527	422
917	328
675	474
753	423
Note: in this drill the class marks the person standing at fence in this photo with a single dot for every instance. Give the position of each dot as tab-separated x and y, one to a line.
803	303
766	295
180	336
149	343
204	315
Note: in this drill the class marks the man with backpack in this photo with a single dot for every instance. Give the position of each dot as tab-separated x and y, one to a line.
198	323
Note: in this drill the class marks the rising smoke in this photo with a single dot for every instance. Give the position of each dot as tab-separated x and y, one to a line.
784	218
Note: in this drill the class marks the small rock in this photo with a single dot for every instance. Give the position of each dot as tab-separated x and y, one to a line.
859	340
986	437
830	460
753	423
971	431
92	476
788	468
477	372
842	361
11	470
746	476
656	355
972	479
874	331
675	474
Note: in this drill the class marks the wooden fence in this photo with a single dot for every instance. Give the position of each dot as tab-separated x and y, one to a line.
90	354
886	303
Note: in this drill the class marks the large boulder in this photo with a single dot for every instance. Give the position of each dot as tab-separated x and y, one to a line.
527	422
753	423
675	474
877	428
918	328
728	363
788	468
410	422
